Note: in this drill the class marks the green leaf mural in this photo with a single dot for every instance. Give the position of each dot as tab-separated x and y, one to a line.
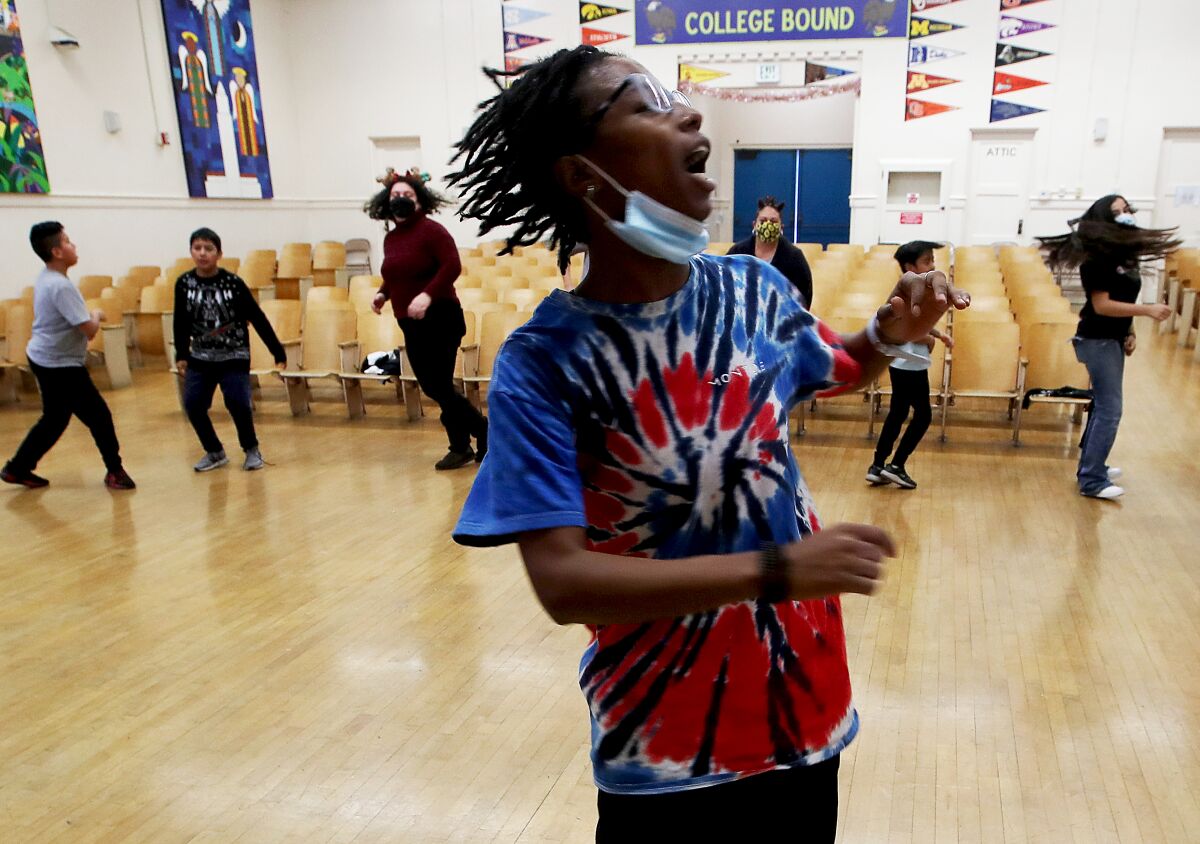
22	165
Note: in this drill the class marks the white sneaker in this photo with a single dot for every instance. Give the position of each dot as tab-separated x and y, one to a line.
1114	474
1109	493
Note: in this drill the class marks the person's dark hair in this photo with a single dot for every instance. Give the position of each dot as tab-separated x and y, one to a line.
507	174
1097	235
769	201
912	251
44	237
378	207
205	233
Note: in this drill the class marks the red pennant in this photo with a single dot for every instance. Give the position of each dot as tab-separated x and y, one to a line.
916	109
1006	83
512	65
598	37
918	81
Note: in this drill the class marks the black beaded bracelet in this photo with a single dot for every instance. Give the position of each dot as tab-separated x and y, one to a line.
772	574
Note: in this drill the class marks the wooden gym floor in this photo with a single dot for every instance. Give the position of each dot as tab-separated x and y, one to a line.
301	654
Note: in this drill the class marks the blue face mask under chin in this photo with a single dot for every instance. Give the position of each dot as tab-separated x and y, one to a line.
651	227
1125	219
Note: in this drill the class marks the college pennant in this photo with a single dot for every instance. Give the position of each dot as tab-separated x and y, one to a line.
1007	54
598	37
923	27
817	72
589	12
919	54
1006	5
514	41
1016	27
699	75
1006	111
918	6
1006	83
918	81
516	16
916	109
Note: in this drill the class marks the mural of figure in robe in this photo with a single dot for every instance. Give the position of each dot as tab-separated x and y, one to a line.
194	65
246	114
218	98
213	11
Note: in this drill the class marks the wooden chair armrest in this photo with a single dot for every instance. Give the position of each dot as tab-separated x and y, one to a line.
471	361
351	354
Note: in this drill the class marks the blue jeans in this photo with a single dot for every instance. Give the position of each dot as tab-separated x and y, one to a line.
1105	362
200	383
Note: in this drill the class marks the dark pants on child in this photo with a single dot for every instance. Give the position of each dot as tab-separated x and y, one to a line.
909	390
199	384
431	344
794	805
67	391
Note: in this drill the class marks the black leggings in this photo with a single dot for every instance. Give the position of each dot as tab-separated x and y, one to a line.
794	805
432	345
909	390
67	391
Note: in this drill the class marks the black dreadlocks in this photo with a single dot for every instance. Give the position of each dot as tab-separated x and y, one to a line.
507	176
1097	235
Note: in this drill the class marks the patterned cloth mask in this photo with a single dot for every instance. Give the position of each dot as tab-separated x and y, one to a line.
768	231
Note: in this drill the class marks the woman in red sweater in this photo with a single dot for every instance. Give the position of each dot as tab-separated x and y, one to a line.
420	266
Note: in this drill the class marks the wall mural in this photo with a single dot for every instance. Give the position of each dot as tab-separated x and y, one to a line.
210	44
22	165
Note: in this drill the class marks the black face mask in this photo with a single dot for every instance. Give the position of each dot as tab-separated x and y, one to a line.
402	206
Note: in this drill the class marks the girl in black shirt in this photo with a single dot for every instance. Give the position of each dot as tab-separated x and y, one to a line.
1108	247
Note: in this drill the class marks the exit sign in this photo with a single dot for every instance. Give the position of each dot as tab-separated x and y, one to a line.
768	74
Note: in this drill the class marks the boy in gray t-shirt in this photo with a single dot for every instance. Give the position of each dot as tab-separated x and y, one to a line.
57	354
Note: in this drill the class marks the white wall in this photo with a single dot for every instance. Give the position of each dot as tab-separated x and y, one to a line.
334	77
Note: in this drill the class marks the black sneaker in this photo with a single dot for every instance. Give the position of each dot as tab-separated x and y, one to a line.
119	480
455	460
875	475
898	476
481	443
28	479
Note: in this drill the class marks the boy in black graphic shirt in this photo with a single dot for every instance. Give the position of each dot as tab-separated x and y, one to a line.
212	348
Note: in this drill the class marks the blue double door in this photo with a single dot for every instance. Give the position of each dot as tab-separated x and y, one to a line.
815	182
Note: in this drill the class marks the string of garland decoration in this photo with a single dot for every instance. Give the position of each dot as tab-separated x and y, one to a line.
827	88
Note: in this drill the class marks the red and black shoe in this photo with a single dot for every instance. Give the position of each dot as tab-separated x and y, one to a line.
119	480
28	479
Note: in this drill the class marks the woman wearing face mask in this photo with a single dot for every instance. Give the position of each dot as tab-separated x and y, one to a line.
1108	247
420	266
767	243
641	461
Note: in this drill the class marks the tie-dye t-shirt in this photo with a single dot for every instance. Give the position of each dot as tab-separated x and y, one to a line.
662	429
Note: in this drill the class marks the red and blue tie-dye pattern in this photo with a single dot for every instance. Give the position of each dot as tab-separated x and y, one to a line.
676	417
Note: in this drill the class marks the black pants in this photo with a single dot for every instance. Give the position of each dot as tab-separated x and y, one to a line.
67	391
432	346
201	383
799	805
909	390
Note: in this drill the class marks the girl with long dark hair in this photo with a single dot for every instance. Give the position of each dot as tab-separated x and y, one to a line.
420	266
1108	247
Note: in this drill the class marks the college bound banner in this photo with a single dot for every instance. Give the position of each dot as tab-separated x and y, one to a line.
706	21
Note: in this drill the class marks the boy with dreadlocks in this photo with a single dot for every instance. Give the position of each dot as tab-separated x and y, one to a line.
640	459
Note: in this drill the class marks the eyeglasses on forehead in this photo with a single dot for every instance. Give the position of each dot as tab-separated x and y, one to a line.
652	92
